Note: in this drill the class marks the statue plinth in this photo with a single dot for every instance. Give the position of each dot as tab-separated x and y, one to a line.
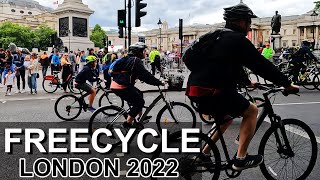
73	24
276	44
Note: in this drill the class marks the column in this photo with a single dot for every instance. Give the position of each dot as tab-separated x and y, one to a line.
253	39
305	33
299	35
317	36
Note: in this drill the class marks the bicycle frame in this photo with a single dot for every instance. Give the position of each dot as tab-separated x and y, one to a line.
266	111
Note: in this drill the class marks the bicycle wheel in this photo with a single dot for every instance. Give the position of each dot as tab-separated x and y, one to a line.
183	114
316	81
100	119
109	98
190	166
71	86
68	107
49	86
308	82
279	164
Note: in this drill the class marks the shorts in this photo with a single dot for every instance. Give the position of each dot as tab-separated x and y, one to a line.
9	86
84	86
227	102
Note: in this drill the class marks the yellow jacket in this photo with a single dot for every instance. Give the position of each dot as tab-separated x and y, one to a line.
153	54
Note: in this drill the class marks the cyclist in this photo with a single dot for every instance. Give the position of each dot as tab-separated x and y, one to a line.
123	83
88	73
213	84
302	55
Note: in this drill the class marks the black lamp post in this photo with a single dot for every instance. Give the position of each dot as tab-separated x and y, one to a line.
160	26
69	33
313	16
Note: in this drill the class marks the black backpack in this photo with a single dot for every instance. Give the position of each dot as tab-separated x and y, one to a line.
201	48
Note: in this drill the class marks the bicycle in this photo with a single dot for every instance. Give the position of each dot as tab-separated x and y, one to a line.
51	83
167	118
278	146
78	104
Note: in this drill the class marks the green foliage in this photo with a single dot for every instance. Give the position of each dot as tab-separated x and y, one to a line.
317	5
24	36
97	35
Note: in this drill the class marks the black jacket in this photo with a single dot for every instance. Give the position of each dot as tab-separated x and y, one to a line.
86	74
136	71
223	66
303	54
19	61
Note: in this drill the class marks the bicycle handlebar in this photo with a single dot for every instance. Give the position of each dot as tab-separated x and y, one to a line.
275	89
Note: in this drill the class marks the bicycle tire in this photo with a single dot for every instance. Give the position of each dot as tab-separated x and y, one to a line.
166	119
106	119
268	173
309	82
65	97
72	87
186	165
45	87
316	80
116	100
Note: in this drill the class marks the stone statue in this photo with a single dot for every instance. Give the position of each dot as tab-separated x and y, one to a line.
276	23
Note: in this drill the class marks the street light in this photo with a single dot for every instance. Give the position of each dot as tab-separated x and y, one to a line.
160	26
313	16
69	32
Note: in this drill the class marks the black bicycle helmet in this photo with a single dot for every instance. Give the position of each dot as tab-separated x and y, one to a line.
137	47
237	12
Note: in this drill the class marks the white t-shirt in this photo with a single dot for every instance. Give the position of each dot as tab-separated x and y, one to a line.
9	79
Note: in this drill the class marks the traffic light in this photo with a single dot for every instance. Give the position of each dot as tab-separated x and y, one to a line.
104	42
109	43
140	13
120	32
122	18
180	28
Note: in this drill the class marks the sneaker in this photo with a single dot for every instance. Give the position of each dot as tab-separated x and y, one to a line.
91	109
1	86
33	93
249	161
23	91
9	94
18	91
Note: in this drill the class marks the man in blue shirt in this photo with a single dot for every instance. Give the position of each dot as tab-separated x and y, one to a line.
56	62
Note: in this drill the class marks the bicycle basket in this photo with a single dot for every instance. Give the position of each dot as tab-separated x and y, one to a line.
175	82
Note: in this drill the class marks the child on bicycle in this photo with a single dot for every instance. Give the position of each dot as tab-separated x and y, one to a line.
88	73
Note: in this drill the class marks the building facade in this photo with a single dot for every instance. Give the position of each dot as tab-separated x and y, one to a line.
294	30
27	13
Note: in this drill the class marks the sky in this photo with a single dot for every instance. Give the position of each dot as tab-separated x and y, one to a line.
191	11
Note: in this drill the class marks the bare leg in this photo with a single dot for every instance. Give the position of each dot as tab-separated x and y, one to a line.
91	98
247	129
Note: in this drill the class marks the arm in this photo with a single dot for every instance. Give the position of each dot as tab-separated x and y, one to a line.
145	75
251	58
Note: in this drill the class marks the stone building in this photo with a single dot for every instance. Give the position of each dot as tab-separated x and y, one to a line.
294	29
26	13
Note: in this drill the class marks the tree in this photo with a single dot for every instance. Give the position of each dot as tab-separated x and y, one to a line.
97	35
43	37
24	36
317	5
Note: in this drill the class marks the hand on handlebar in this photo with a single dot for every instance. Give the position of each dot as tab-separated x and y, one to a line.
292	89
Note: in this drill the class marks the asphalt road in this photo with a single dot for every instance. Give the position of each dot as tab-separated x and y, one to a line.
38	111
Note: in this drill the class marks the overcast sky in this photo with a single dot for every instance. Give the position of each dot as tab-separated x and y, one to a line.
192	11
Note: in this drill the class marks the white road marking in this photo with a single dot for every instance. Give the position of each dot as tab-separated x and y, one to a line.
302	103
295	131
4	102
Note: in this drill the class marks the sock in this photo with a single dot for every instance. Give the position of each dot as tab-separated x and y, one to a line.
241	158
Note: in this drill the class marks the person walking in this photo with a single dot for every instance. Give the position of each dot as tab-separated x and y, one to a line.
2	64
55	62
20	71
82	62
72	60
268	52
45	62
34	69
10	81
155	59
8	61
66	71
